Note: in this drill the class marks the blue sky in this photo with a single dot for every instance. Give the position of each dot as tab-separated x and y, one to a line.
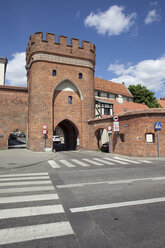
128	34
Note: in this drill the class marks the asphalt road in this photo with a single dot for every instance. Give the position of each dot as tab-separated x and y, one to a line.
81	199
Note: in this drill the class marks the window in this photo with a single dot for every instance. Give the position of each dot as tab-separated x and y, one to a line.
150	138
103	94
107	111
125	98
122	137
70	99
54	73
80	75
98	93
111	96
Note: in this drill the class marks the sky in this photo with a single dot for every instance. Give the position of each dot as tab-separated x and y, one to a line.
129	36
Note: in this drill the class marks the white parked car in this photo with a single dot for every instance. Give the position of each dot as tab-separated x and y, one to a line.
56	139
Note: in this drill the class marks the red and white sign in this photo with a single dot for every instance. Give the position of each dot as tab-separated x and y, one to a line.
109	128
116	126
44	131
44	126
115	118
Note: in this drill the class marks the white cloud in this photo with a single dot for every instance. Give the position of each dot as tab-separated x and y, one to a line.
149	73
151	17
16	73
112	21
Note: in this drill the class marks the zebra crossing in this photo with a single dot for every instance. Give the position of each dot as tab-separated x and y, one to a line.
87	162
32	196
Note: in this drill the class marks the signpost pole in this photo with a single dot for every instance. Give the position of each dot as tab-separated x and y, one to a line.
44	142
117	143
158	142
109	143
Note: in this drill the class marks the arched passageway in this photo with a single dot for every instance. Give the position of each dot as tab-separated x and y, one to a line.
67	132
102	139
17	140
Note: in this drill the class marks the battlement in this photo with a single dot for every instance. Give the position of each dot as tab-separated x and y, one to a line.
49	46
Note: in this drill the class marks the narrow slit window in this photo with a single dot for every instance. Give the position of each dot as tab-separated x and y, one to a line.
54	73
80	75
70	99
122	137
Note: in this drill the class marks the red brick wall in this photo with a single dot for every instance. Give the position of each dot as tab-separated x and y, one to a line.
134	126
13	111
72	111
42	93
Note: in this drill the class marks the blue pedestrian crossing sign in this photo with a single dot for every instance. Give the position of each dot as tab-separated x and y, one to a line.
157	125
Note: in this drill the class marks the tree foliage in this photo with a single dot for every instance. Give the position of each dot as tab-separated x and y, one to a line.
143	95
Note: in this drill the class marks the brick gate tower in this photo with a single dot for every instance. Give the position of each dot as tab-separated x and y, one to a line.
61	90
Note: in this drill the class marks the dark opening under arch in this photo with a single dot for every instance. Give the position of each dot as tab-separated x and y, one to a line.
68	134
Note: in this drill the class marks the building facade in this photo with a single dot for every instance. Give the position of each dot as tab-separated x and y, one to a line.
61	90
3	64
64	96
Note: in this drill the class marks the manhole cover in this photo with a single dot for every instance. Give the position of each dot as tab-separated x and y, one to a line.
12	164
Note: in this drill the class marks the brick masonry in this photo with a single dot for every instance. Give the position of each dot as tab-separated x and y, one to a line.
134	126
43	103
13	111
46	105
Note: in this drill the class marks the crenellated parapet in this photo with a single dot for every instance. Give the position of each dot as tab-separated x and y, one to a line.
62	52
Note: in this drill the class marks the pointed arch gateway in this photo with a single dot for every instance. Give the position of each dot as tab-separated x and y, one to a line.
67	115
68	134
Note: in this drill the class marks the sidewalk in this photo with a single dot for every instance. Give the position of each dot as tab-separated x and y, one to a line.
21	157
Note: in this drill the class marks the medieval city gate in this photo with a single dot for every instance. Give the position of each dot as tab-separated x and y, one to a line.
60	89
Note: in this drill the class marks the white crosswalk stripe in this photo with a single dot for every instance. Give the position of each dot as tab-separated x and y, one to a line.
25	174
145	161
68	164
54	164
127	160
30	194
87	162
105	162
28	198
80	162
27	189
92	162
116	161
22	178
30	211
24	183
27	233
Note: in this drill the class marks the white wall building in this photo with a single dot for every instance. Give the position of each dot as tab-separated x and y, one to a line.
3	64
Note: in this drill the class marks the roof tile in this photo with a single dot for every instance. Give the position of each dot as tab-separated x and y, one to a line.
109	86
162	103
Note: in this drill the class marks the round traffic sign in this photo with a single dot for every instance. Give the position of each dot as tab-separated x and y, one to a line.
44	126
44	131
109	128
116	118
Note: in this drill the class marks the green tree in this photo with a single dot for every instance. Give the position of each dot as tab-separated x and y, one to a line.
143	95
